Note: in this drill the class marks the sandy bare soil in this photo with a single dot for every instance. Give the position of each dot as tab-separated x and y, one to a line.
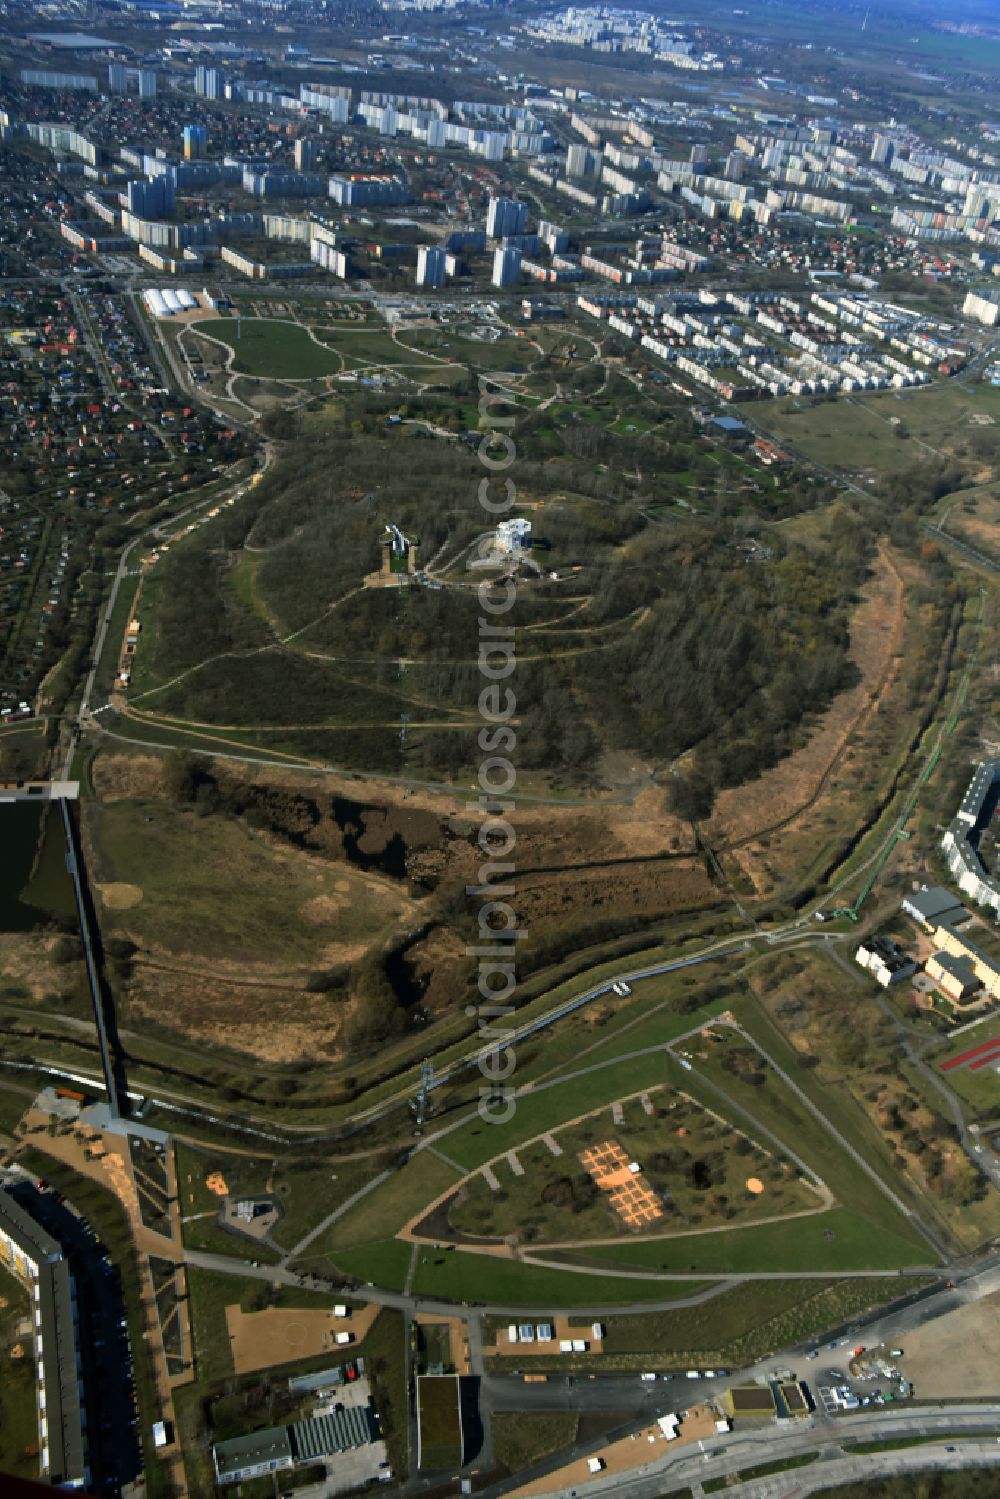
956	1355
280	1335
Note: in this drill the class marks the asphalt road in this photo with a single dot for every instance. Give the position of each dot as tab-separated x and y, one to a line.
579	1392
730	1454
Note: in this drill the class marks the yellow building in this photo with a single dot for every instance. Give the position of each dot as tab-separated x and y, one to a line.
986	970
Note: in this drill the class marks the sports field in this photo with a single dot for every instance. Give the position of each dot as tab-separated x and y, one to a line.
271	348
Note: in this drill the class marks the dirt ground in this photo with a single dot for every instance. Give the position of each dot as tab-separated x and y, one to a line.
955	1356
280	1335
277	1023
621	1457
27	958
120	776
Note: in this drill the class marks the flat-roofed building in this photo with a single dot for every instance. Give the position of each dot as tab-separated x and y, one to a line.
932	906
36	1259
253	1456
750	1402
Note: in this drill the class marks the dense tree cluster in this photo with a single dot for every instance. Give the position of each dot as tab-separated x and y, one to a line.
676	641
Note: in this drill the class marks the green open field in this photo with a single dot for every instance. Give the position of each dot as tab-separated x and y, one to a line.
450	1275
769	1104
521	1438
738	1093
306	1188
277	349
457	344
869	431
385	1263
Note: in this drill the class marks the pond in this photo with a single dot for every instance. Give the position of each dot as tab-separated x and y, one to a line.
34	883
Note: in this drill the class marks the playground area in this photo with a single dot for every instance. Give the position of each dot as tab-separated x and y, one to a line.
634	1202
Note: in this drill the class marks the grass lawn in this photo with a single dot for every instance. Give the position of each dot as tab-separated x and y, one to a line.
478	1141
384	1264
391	1204
836	432
214	886
453	1276
861	433
521	1438
18	1421
209	1293
646	1019
271	348
837	1240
